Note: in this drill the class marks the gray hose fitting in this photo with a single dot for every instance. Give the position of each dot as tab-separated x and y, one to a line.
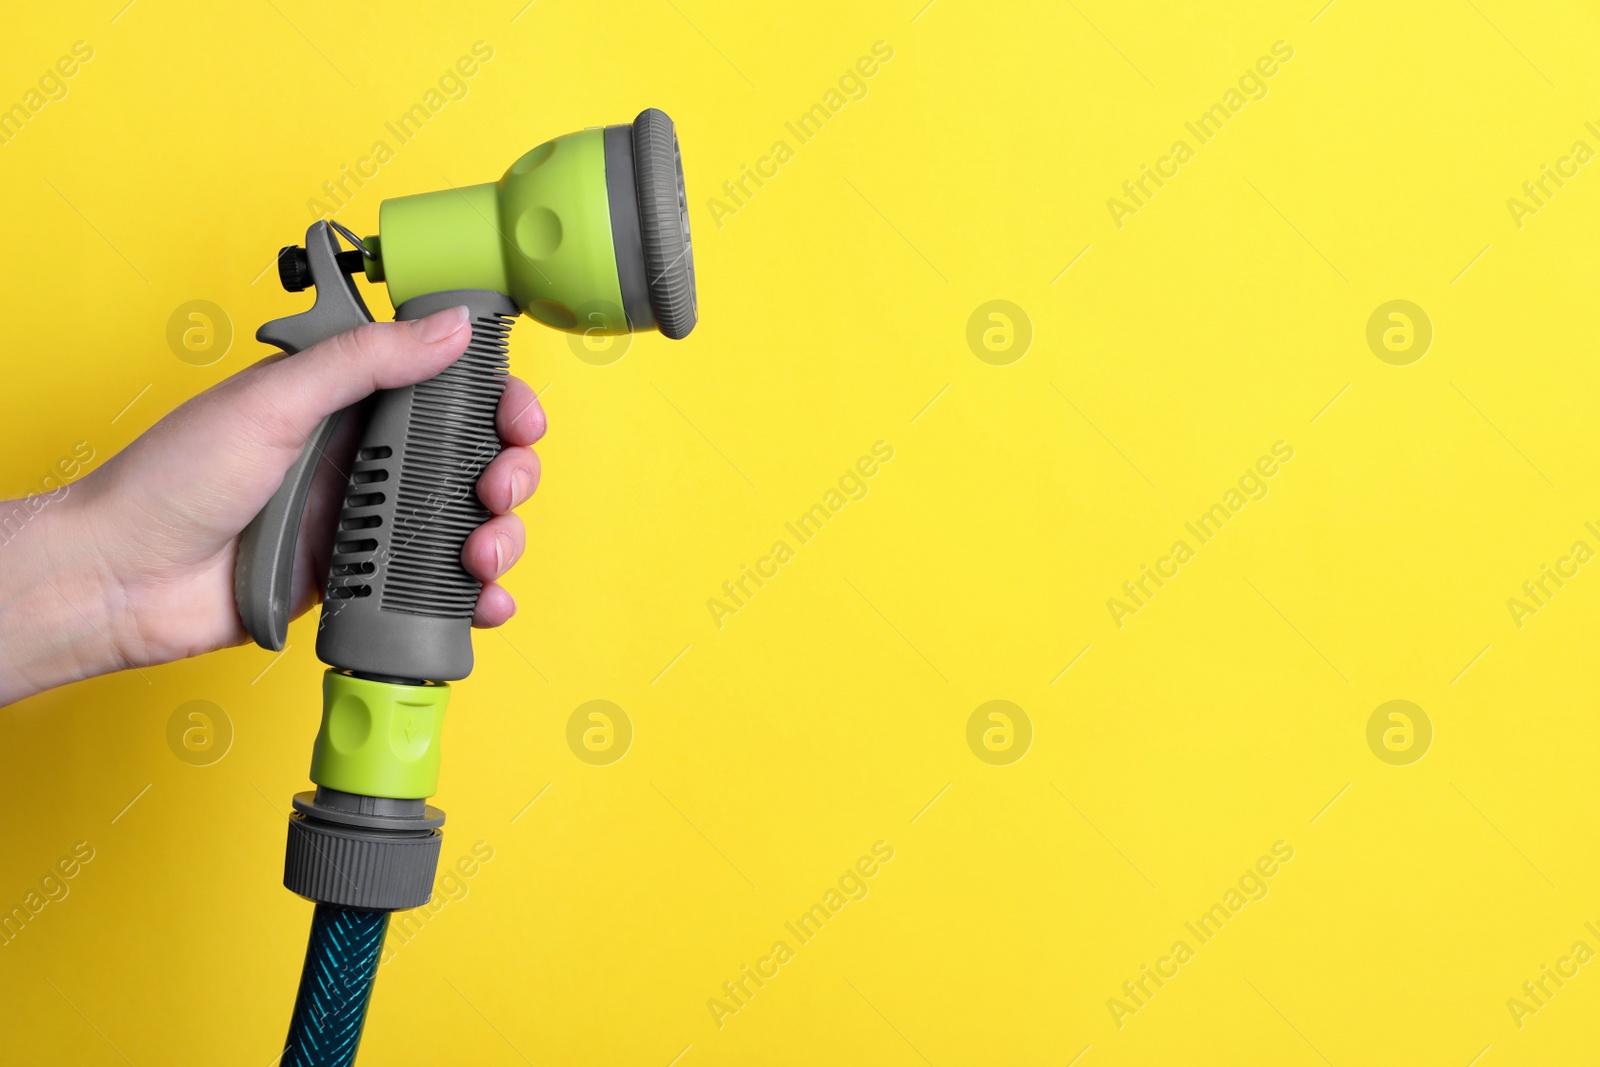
356	851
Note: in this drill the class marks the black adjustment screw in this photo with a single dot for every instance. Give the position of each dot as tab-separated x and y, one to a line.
294	268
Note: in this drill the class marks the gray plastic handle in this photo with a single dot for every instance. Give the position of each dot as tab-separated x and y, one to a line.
399	603
263	573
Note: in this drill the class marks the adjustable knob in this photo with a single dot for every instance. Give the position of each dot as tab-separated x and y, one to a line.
294	268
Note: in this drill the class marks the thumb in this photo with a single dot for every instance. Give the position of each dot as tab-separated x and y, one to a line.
285	398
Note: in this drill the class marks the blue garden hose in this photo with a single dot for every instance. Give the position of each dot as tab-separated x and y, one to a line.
335	987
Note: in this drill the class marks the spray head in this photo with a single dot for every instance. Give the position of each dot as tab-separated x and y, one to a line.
588	233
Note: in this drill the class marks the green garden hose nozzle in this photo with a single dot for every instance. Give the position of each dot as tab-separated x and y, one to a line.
588	233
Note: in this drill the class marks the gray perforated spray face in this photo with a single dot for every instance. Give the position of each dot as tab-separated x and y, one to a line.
650	224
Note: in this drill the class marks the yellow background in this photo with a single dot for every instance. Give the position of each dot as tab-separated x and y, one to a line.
827	714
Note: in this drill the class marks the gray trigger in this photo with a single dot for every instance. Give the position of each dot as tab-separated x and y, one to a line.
263	573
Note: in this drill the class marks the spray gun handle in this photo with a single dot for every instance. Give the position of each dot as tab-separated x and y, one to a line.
399	603
264	570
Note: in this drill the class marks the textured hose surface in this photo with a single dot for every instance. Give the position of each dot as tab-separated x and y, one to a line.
335	987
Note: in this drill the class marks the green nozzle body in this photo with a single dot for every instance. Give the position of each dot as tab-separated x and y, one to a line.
588	232
541	235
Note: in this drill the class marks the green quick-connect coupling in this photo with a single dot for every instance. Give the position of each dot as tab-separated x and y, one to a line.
366	838
380	739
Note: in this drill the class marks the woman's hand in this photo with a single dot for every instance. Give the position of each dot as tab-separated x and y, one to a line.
133	565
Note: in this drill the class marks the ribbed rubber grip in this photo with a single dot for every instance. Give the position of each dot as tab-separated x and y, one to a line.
398	602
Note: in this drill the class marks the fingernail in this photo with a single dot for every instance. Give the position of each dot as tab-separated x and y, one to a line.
521	486
502	553
439	325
